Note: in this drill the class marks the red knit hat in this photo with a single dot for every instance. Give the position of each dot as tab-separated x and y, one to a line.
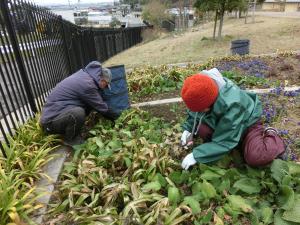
199	92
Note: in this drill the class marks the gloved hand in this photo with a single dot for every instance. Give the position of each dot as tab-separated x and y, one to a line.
188	161
111	115
185	138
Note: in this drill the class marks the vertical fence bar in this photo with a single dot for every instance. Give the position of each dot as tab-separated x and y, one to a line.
8	51
6	103
65	43
53	49
46	60
43	71
13	37
60	56
26	47
13	85
3	133
30	53
41	56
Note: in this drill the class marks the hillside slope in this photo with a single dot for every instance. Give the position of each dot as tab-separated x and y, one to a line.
267	35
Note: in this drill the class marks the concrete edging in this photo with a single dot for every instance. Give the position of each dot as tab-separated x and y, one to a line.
52	169
179	99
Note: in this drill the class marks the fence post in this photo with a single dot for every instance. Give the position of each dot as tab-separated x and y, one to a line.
13	37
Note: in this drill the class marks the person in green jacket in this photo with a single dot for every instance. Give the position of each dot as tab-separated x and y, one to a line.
225	117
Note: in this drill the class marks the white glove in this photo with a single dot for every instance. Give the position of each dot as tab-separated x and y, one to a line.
188	161
184	137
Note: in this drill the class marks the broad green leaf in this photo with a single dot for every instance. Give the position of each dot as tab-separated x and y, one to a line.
239	203
179	177
232	174
99	142
253	172
176	177
127	161
232	212
278	220
267	215
254	218
158	177
208	190
286	197
279	169
193	204
196	188
225	185
154	186
115	144
210	175
293	215
220	211
287	180
173	195
247	185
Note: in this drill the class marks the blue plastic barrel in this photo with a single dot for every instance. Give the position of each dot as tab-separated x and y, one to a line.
240	47
117	97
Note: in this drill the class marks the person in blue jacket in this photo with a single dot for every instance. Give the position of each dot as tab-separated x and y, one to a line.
73	98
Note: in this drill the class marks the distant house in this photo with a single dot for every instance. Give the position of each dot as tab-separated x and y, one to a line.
281	5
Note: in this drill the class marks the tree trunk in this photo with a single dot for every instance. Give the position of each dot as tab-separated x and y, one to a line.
246	13
215	25
222	12
253	11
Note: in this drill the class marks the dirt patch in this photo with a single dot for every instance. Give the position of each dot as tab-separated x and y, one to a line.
285	69
174	112
152	97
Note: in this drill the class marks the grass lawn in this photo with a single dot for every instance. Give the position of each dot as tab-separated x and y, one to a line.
267	35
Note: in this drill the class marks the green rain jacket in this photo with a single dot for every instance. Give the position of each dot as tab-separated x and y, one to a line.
234	111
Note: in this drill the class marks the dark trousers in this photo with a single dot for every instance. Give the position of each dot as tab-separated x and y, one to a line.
259	147
68	124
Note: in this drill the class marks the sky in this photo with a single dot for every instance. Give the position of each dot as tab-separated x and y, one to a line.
52	2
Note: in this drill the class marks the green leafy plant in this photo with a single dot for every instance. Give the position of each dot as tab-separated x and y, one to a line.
27	152
137	181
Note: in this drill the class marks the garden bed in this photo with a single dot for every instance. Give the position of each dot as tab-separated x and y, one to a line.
153	83
129	172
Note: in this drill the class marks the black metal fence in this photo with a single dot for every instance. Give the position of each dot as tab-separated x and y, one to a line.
38	49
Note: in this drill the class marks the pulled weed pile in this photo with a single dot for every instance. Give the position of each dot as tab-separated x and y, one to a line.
27	152
129	173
